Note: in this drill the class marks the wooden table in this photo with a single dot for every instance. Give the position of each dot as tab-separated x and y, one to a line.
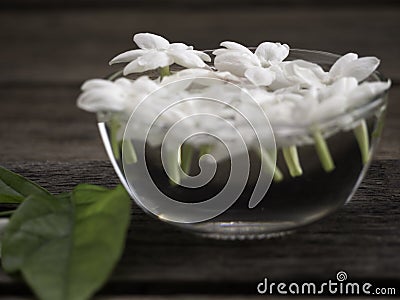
47	51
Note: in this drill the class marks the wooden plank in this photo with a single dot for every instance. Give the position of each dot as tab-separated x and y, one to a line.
186	4
389	146
58	46
208	297
43	123
361	238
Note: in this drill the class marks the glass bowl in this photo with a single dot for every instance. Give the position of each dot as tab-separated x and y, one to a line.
289	203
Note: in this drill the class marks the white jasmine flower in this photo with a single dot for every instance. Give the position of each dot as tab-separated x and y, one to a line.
103	95
336	99
194	111
240	61
260	76
326	102
157	52
293	94
199	74
281	114
297	73
235	59
121	95
271	53
259	94
367	91
350	65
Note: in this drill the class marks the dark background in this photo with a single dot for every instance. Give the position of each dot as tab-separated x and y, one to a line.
47	48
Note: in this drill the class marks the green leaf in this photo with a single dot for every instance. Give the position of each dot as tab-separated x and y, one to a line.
14	188
7	213
66	246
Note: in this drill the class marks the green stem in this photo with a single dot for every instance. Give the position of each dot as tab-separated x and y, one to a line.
130	156
172	164
116	75
361	133
379	126
323	151
204	149
268	164
164	71
115	144
186	157
7	213
292	160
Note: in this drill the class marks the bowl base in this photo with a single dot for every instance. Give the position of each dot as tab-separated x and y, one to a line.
241	230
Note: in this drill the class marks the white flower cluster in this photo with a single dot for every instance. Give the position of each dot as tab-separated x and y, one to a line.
291	93
156	52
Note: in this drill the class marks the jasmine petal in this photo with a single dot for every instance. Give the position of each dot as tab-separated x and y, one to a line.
187	59
88	101
236	46
341	64
202	55
350	65
297	73
151	61
308	74
101	100
134	67
361	68
260	76
179	46
367	91
235	62
150	41
127	56
199	74
269	53
96	83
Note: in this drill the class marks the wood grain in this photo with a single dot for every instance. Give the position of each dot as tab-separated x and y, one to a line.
361	238
67	47
186	4
45	124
